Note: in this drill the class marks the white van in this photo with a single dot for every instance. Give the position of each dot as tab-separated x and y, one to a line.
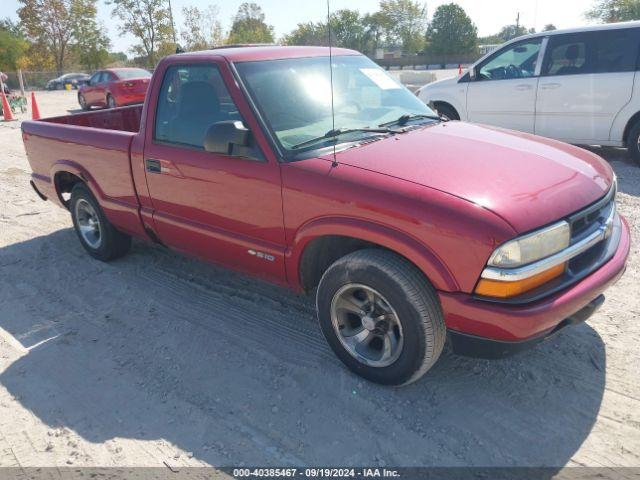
580	86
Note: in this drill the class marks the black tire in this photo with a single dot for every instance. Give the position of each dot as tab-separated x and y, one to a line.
410	295
447	111
633	143
112	244
111	102
82	102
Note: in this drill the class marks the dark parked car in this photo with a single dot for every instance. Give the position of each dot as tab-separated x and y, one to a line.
74	79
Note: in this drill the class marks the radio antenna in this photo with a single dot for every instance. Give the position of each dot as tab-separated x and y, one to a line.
333	113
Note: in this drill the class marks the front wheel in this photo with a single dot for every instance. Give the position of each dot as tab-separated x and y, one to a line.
111	102
381	316
633	143
98	237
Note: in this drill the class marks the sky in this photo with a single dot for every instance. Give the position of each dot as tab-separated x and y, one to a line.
488	15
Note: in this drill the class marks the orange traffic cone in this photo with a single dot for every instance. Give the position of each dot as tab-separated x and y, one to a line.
35	111
6	109
459	69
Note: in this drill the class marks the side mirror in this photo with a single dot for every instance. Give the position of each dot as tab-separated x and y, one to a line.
226	137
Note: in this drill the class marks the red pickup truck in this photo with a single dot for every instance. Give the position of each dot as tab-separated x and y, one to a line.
412	229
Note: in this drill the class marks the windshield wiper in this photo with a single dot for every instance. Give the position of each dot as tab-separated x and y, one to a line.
407	117
341	131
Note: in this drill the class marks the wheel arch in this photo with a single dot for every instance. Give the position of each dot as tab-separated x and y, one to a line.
321	242
65	174
630	124
447	104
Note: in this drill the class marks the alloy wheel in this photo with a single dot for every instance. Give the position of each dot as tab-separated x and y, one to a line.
88	223
367	325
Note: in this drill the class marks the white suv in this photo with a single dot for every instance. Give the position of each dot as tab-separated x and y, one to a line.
580	86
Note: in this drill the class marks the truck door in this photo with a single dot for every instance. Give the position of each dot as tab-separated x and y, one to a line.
227	209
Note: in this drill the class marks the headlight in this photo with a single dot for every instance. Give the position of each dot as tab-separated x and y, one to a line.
532	247
520	252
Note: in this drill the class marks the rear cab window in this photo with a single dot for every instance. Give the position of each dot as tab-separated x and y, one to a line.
191	99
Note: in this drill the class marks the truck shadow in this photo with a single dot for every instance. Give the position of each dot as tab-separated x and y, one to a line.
189	356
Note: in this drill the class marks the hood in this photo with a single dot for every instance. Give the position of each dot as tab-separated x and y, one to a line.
441	83
529	181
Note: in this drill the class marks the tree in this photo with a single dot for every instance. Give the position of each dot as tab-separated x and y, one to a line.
13	46
309	33
348	30
117	58
12	27
49	25
549	27
451	31
512	31
149	21
404	23
490	40
202	28
375	23
249	26
609	11
90	44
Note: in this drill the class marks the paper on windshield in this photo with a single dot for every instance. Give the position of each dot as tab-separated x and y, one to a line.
381	79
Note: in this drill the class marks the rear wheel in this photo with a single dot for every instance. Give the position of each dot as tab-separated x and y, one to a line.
633	143
95	232
447	111
111	102
381	316
83	102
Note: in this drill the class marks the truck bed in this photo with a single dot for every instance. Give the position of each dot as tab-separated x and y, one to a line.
126	119
94	146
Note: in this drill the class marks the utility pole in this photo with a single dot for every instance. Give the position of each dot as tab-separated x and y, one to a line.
173	27
517	20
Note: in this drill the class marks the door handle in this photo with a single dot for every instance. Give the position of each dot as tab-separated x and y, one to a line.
523	87
153	166
550	86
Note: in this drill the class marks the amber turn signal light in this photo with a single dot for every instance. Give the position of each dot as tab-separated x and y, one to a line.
500	289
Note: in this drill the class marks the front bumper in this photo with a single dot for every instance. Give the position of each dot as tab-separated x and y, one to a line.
470	316
480	347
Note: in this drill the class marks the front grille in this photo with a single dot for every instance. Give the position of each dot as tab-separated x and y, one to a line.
583	224
588	220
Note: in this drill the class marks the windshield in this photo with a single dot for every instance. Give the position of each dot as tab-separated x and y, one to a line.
132	73
294	97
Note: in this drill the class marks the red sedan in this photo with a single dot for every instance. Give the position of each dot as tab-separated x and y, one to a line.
114	87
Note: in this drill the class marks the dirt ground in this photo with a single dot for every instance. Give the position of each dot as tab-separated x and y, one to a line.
157	359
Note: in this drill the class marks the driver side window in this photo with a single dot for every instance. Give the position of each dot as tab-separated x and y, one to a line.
192	98
95	78
517	61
